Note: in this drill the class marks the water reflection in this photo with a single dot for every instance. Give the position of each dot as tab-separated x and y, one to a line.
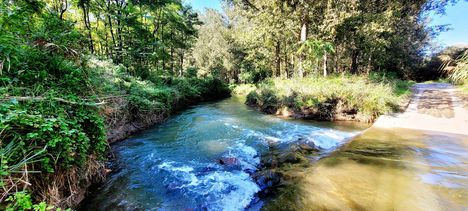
394	169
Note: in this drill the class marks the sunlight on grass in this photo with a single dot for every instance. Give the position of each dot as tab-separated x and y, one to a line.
367	97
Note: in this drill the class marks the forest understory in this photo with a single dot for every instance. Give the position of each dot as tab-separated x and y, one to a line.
76	76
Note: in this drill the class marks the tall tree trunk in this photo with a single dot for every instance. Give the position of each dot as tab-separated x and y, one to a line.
63	8
369	64
304	29
293	64
286	65
106	38
119	29
110	29
325	64
119	37
87	24
181	71
278	59
354	65
162	41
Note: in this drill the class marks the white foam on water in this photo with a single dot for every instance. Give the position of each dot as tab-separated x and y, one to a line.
229	122
327	139
247	155
216	189
170	167
220	189
230	191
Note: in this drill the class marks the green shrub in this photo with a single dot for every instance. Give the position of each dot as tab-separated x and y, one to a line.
69	134
191	72
243	89
368	97
22	201
459	74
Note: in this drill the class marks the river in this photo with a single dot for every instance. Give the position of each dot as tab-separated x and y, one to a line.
174	166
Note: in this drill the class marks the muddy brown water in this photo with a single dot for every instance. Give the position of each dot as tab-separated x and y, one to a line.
386	169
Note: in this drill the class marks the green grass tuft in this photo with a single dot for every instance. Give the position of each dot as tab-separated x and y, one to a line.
368	98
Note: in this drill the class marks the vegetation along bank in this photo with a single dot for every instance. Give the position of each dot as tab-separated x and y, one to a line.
76	75
61	106
338	98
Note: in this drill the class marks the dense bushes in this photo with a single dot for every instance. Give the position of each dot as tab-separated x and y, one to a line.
157	94
334	98
67	133
52	110
52	123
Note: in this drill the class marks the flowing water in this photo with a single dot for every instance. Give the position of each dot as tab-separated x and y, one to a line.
175	166
386	169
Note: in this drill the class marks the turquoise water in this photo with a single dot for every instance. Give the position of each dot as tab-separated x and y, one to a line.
175	166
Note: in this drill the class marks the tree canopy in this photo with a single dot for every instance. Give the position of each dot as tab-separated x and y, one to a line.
366	36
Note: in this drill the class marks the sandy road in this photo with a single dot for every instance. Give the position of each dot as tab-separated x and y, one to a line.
434	107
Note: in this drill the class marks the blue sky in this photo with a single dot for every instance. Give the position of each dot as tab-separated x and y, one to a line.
202	4
456	16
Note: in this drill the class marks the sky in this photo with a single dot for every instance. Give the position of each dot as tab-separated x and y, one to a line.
456	16
200	5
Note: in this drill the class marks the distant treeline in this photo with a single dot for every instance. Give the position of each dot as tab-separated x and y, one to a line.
255	39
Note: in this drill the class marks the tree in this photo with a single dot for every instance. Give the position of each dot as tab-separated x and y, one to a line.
316	49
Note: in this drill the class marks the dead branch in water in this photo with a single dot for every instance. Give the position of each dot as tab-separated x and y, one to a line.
39	98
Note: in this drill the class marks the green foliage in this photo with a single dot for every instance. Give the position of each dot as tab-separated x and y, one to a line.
22	201
191	72
315	49
13	160
69	134
243	89
213	51
459	73
49	85
43	67
355	37
367	97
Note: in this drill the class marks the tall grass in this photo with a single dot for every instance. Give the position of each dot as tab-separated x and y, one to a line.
14	168
367	97
458	74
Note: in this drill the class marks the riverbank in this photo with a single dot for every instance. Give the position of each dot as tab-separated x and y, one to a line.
336	98
58	131
421	170
211	157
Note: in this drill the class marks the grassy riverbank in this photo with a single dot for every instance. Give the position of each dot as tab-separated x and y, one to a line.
55	124
356	98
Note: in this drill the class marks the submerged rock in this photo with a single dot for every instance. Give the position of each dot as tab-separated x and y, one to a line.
307	145
290	157
230	163
255	205
267	180
270	161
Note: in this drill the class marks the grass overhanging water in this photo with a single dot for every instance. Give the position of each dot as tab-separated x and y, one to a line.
365	97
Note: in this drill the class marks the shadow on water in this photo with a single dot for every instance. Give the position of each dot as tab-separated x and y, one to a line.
394	169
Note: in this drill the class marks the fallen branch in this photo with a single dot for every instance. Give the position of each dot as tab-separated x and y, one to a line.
39	98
